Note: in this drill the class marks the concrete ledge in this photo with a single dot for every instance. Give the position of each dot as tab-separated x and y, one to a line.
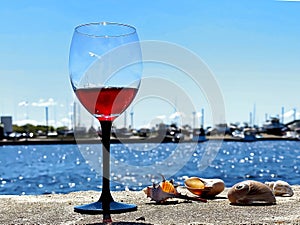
58	209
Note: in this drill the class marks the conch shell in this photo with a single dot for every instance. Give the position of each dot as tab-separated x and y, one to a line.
251	192
207	188
165	190
281	188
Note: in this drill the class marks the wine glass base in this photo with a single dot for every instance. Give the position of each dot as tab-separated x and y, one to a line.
96	208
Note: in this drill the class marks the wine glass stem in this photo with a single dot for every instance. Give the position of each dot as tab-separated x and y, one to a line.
106	197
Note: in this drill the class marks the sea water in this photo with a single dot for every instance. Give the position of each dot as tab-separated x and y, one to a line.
41	169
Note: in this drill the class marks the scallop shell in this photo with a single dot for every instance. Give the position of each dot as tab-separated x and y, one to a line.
281	188
204	187
251	192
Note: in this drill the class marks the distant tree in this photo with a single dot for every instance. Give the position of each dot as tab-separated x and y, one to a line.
64	128
29	128
18	129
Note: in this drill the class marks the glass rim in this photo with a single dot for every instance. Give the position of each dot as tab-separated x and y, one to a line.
131	30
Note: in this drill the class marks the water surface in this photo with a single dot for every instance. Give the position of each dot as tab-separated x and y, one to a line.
40	169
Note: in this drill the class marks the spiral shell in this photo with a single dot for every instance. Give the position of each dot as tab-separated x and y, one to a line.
157	194
251	192
160	193
281	188
208	188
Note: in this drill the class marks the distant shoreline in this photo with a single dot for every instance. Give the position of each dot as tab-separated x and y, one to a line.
53	141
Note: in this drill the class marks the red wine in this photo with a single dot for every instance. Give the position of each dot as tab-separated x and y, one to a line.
106	103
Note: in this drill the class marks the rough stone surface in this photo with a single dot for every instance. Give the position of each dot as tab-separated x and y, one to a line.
58	209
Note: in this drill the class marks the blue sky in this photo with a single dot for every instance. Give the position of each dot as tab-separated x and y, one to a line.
251	47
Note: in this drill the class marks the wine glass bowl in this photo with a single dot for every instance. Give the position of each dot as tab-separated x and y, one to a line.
105	65
105	73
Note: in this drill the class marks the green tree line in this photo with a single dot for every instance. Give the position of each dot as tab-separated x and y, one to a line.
29	128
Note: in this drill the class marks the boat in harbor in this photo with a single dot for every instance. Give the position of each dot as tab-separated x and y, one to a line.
199	135
273	126
247	135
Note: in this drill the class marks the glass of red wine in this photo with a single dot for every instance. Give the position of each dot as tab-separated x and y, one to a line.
105	73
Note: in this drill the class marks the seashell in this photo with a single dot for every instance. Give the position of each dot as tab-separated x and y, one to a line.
160	193
281	188
204	187
195	185
168	186
157	194
165	190
251	192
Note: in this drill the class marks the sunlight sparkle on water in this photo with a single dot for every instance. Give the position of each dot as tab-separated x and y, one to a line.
59	169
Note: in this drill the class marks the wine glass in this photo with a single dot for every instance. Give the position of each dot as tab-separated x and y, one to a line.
105	73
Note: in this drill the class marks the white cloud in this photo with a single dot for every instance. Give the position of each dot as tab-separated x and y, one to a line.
199	114
161	117
64	122
43	103
176	115
23	103
26	121
290	114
